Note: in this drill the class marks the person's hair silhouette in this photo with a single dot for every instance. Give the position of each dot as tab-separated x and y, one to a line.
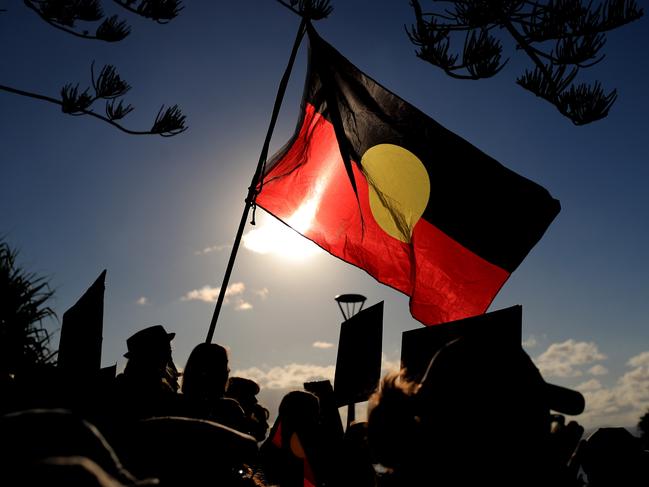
204	381
148	385
206	372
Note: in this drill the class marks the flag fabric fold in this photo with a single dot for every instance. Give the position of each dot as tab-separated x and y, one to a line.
376	182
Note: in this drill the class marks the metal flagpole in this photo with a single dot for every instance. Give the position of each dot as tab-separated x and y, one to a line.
252	189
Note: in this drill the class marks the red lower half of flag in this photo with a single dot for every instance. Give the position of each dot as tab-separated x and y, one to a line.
308	189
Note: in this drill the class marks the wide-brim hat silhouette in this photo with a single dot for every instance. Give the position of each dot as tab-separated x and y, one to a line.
484	353
466	358
147	341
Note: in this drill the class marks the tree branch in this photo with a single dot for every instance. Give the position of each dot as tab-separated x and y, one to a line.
532	54
110	30
166	10
86	111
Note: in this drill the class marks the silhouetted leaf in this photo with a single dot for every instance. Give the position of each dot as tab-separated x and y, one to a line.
119	111
482	54
73	101
113	29
314	9
586	103
579	50
88	10
23	340
559	37
169	122
109	84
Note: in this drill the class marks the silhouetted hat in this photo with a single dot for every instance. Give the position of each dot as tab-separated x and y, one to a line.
469	358
564	400
149	339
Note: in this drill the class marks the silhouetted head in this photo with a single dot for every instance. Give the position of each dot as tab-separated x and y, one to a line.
488	408
299	411
491	390
206	372
613	456
296	426
297	434
243	390
393	428
151	345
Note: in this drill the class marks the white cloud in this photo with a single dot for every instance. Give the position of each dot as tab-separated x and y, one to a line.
619	405
294	375
142	301
624	402
531	342
589	386
261	293
210	294
206	293
633	386
323	345
242	305
598	369
290	376
215	248
641	360
563	359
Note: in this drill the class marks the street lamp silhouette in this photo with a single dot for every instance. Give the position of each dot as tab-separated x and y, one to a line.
350	305
353	304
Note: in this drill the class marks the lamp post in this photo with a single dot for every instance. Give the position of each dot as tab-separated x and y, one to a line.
350	305
353	304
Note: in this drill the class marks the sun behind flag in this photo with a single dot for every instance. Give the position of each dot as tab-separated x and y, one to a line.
426	212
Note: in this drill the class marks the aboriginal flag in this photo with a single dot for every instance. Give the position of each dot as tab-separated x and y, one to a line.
376	182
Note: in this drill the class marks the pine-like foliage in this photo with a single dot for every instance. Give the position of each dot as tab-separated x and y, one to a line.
86	19
24	343
560	37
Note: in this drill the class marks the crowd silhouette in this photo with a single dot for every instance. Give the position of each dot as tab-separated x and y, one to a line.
476	418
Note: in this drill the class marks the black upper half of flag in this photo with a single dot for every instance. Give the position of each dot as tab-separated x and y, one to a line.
487	208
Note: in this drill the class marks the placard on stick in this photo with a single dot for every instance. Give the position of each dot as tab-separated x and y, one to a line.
358	366
82	332
500	330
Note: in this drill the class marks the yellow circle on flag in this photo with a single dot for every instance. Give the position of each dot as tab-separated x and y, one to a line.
399	188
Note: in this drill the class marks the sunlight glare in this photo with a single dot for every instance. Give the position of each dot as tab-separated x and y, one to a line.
273	237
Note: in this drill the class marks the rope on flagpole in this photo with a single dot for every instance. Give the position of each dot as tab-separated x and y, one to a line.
252	189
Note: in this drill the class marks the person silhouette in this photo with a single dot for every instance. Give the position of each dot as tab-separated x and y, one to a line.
148	385
205	378
245	391
292	455
480	413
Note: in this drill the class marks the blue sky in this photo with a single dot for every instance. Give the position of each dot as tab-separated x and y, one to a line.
78	196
